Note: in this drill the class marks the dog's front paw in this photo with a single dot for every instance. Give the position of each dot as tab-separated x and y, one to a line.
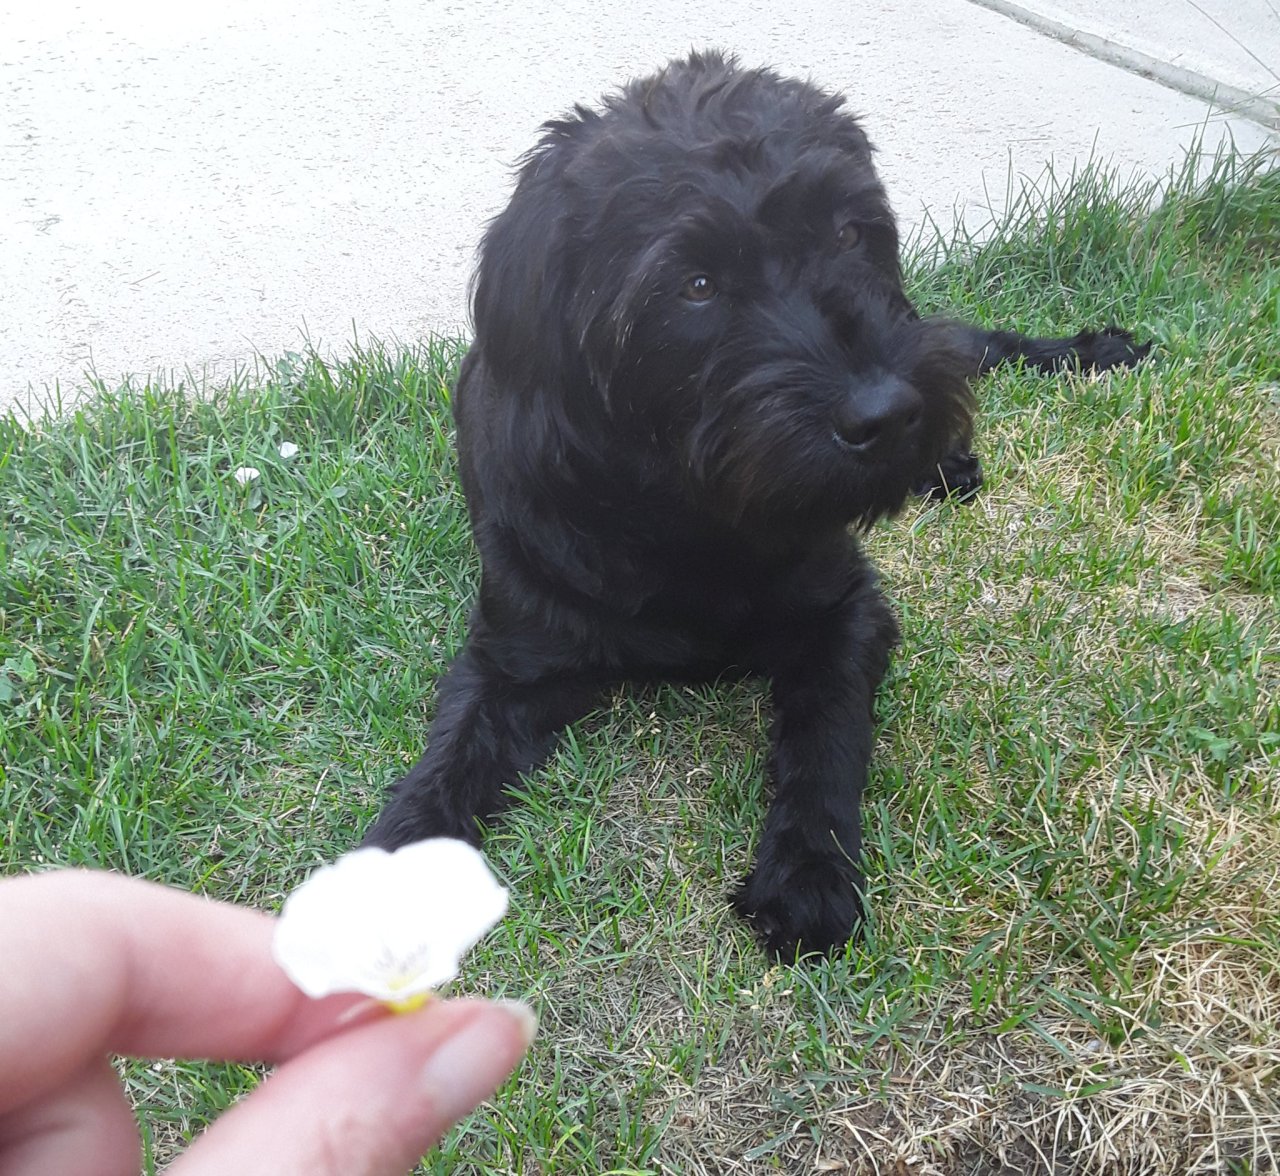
410	817
814	904
1097	351
957	476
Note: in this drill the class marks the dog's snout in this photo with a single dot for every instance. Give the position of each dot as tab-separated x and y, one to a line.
878	412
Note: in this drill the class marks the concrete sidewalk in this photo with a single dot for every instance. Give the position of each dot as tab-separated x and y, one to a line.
183	187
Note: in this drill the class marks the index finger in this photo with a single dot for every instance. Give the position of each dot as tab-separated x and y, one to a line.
97	963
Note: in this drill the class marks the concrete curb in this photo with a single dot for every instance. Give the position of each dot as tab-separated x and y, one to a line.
1263	111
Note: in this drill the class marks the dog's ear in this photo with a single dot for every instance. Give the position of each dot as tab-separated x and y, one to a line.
605	303
521	283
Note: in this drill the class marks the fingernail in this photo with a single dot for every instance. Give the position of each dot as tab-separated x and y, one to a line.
523	1016
471	1064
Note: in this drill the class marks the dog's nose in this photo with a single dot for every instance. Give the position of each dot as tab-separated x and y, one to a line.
878	411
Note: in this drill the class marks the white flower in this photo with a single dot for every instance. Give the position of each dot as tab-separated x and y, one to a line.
246	474
391	925
287	449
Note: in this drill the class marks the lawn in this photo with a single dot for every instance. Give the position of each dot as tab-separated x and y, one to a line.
1073	820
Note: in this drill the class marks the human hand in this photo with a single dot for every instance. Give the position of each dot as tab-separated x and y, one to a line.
95	964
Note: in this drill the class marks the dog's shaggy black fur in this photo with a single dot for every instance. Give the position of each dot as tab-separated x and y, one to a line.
694	371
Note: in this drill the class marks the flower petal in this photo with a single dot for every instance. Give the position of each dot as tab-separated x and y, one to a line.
390	925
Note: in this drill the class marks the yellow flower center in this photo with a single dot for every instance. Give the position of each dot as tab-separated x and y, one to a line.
409	1003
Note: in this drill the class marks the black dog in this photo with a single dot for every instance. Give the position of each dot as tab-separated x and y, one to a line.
694	370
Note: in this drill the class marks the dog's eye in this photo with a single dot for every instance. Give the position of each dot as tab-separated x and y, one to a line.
698	288
848	235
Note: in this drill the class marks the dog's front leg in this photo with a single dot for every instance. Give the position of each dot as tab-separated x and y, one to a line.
959	474
489	729
805	890
1090	351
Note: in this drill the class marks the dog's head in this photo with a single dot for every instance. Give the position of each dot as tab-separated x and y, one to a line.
706	269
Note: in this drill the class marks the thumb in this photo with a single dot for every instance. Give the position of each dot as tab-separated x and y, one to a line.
369	1101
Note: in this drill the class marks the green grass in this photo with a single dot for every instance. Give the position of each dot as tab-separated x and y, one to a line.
1072	825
